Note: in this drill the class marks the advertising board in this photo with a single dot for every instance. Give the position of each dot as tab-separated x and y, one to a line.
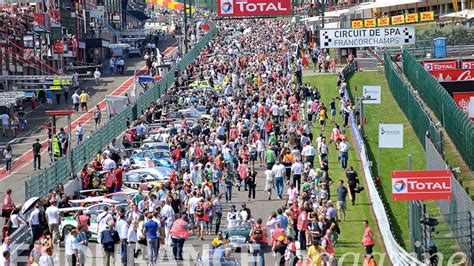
439	65
467	64
372	94
421	185
465	101
391	136
253	8
453	75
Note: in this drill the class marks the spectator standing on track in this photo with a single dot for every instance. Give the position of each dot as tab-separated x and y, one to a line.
83	98
79	133
71	251
97	76
8	154
36	147
5	123
54	219
150	228
179	233
8	205
97	116
75	101
112	65
109	238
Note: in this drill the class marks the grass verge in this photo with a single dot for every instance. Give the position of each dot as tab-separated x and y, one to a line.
352	229
396	159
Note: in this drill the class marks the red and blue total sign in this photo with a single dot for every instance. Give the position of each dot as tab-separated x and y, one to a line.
421	185
246	8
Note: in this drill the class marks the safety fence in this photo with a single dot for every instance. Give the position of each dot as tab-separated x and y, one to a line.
456	123
60	171
397	255
413	109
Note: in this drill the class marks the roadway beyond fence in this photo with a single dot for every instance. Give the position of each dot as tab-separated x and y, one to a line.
60	171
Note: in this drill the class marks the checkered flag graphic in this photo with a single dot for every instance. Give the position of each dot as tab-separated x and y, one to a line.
326	39
408	36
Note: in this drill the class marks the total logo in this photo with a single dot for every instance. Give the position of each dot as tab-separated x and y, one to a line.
399	185
227	8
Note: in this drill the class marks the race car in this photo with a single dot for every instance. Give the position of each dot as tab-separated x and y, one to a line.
238	233
142	158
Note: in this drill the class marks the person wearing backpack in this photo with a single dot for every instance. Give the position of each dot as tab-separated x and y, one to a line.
258	237
200	217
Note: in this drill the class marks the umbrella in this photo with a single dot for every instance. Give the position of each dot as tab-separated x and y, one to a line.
29	204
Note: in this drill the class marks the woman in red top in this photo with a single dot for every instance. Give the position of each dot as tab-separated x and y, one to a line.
7	205
82	219
368	239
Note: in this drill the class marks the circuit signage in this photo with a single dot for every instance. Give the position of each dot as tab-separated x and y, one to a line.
388	36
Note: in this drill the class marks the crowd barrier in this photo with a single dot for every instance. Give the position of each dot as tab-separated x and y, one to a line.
397	255
60	171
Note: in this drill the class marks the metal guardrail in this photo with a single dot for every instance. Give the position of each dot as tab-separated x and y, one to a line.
42	183
22	238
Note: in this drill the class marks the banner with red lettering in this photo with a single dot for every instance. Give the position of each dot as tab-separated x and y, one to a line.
421	185
465	101
249	8
439	65
467	64
453	75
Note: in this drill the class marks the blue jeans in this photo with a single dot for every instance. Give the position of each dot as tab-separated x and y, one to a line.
153	246
344	156
8	164
178	244
260	252
228	192
279	186
123	251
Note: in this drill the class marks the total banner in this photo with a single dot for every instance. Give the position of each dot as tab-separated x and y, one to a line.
465	101
467	64
389	36
422	185
439	65
453	75
253	8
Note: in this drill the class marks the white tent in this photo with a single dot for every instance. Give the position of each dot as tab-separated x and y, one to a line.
465	14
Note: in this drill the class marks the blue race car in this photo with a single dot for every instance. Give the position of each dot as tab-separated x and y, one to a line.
151	158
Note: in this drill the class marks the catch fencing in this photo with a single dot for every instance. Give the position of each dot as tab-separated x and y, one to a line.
60	171
456	123
458	212
397	255
413	109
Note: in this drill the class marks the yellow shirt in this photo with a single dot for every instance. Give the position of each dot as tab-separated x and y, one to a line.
315	255
322	115
219	242
83	97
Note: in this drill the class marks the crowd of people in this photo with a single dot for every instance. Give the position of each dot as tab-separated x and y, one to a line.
258	129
